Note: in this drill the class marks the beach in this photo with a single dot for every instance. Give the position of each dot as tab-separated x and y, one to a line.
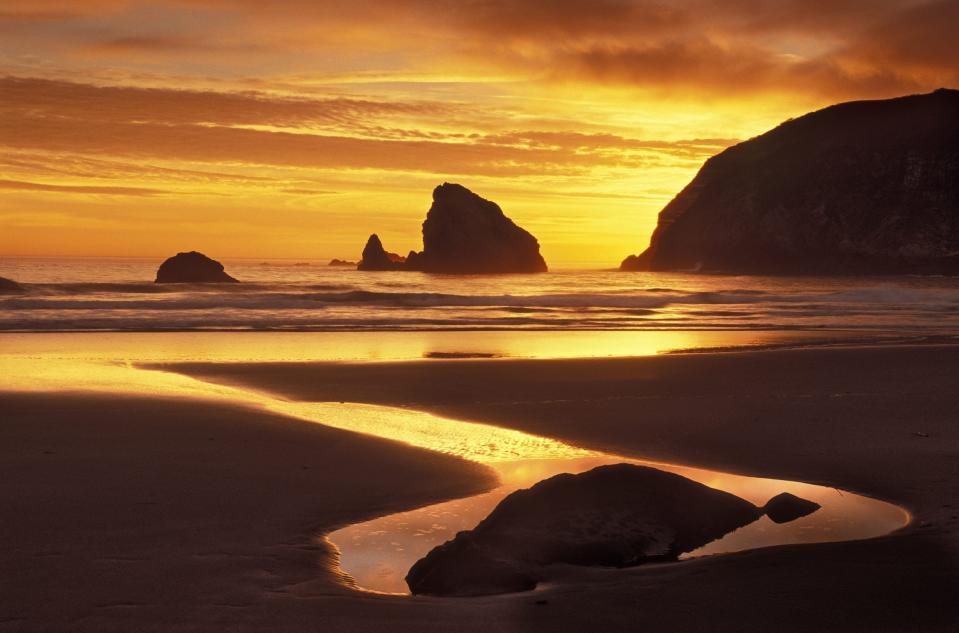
499	316
127	511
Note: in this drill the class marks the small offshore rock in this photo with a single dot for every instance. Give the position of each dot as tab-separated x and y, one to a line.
192	267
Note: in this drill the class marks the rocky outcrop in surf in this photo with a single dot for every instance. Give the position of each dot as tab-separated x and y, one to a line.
343	263
865	187
375	257
465	234
192	267
613	516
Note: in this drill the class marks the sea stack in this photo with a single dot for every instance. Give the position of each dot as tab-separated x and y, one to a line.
464	234
375	257
868	187
192	267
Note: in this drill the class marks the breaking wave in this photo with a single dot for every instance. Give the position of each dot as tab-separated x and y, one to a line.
104	295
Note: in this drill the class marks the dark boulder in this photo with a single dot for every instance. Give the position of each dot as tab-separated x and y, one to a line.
10	287
375	257
464	567
464	233
616	516
192	267
342	263
787	507
869	187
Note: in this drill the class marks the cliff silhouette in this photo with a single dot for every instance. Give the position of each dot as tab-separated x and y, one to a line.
868	187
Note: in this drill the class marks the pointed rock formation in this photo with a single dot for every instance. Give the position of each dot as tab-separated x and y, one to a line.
466	234
862	187
192	267
375	257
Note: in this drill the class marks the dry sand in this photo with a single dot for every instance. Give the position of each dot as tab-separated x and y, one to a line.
135	520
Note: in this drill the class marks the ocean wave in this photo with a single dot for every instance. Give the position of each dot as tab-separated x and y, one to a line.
660	300
151	288
267	297
340	306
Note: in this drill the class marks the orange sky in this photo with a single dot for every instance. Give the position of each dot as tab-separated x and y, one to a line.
294	129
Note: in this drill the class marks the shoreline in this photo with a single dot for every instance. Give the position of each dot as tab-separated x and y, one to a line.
845	416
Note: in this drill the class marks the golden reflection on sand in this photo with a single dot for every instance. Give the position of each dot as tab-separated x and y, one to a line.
376	554
477	442
369	346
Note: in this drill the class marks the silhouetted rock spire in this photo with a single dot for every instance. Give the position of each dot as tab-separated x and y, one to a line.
463	233
375	257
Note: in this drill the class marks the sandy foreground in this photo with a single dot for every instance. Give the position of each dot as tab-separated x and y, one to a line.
124	513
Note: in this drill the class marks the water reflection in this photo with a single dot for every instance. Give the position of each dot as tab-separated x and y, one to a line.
377	554
373	346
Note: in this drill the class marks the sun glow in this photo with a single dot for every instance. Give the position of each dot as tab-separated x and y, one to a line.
295	131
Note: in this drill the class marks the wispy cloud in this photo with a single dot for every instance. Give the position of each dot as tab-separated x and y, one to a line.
82	189
256	129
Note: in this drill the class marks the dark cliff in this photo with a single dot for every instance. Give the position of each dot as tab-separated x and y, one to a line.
861	187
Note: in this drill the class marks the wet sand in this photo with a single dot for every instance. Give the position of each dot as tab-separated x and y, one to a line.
229	544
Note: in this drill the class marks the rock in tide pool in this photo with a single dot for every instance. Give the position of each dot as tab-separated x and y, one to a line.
786	507
614	516
9	287
192	267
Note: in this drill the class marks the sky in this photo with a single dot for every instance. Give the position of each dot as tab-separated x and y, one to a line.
294	129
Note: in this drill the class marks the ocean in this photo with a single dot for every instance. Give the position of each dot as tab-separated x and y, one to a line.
118	295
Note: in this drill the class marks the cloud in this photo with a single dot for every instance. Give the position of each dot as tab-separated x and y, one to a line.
836	48
83	189
148	44
226	128
706	67
63	99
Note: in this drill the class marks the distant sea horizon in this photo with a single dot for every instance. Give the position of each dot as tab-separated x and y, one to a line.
117	294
